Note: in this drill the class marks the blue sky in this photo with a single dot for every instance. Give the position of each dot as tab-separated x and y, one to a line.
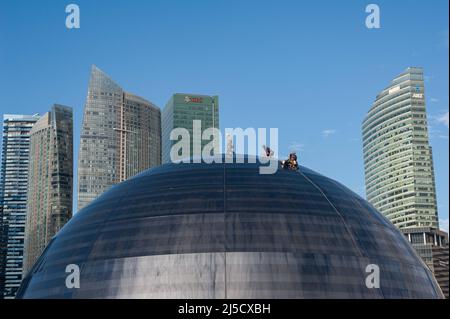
310	68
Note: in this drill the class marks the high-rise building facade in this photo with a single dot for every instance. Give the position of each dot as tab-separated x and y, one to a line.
50	181
398	159
120	137
13	199
181	111
432	246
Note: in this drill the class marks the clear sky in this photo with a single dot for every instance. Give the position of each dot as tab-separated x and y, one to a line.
310	68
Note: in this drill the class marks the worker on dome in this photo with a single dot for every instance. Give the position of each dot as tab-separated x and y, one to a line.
291	163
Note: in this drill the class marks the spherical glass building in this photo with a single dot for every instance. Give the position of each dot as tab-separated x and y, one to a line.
225	231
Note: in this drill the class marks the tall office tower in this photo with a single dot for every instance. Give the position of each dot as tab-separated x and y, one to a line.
120	137
13	198
181	111
50	179
398	159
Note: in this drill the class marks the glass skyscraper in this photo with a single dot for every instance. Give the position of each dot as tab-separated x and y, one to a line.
120	137
50	180
181	111
13	199
398	159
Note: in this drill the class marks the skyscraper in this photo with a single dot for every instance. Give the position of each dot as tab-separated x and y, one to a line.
120	137
50	179
181	111
398	159
13	198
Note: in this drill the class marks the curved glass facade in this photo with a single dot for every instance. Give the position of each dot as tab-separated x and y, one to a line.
398	158
225	231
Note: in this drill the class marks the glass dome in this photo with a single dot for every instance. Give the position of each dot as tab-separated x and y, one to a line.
225	231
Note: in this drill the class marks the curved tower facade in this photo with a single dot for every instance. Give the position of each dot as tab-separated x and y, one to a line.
398	159
120	137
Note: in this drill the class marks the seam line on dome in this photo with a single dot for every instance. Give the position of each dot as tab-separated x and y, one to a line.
339	214
97	236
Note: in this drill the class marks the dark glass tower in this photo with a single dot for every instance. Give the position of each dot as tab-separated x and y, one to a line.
50	180
225	231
